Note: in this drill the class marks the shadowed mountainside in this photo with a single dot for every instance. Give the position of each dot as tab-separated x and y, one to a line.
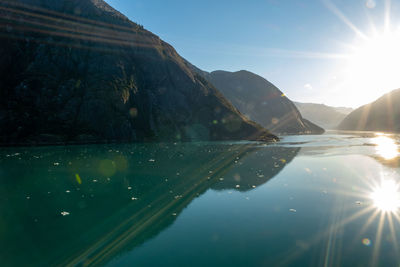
78	71
381	115
323	115
261	101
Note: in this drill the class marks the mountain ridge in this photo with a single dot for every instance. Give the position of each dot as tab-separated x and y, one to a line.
381	115
321	114
80	71
260	101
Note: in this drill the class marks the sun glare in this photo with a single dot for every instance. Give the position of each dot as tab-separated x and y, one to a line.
386	196
386	147
372	58
373	64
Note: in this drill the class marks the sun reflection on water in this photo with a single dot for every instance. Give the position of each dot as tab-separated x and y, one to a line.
386	147
386	196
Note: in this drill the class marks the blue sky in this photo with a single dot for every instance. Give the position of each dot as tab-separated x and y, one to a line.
297	45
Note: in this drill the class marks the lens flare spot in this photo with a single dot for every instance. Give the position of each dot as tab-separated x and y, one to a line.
133	112
370	4
366	242
121	163
107	167
275	120
78	179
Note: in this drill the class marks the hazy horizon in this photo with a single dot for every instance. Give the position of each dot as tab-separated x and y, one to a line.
314	51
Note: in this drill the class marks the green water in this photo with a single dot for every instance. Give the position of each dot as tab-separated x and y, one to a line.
307	201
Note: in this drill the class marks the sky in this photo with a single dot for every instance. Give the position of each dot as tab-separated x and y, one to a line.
319	51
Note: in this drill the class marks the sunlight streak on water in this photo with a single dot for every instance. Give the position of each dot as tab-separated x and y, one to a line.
386	147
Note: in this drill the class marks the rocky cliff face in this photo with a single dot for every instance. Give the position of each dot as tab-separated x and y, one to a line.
262	102
79	71
381	115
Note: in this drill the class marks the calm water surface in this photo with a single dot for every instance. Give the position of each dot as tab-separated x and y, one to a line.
329	200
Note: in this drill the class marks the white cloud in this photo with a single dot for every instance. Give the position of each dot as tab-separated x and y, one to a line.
308	86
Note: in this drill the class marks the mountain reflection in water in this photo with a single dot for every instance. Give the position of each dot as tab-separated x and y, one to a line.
334	200
84	205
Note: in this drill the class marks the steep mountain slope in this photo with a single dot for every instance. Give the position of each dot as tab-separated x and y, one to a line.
80	71
381	115
325	116
262	102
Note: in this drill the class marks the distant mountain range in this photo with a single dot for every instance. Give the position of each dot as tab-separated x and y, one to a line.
78	71
323	115
261	101
381	115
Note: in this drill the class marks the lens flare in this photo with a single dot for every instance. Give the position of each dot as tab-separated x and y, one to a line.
386	196
367	242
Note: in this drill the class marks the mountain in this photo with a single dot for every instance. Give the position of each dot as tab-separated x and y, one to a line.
78	71
381	115
325	116
261	102
344	110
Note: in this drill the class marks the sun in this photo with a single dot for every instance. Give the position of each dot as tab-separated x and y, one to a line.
366	65
377	55
373	64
